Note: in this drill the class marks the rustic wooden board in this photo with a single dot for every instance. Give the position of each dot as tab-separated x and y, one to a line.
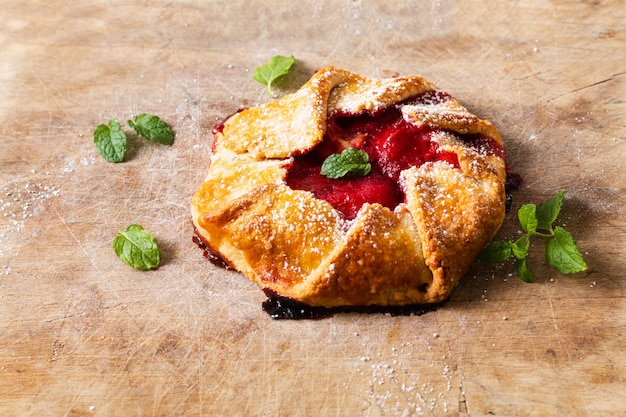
83	334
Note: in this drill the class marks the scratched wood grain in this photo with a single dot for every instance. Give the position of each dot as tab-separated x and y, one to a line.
82	334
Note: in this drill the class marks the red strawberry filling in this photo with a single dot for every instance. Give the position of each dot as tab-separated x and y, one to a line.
347	194
392	144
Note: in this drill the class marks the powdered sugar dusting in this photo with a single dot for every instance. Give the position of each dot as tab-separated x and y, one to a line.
446	114
395	386
20	201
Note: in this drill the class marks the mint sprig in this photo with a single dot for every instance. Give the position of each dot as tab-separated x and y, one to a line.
137	247
277	66
561	250
350	161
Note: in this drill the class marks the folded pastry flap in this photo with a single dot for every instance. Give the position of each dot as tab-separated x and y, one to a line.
379	261
281	235
455	215
294	124
449	115
289	126
476	161
232	176
357	94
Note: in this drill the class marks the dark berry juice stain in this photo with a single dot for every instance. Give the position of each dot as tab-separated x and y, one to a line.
513	182
280	307
208	252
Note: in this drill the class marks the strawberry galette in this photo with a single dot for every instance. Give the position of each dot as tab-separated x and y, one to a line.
427	194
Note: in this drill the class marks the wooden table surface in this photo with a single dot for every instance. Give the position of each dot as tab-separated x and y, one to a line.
82	334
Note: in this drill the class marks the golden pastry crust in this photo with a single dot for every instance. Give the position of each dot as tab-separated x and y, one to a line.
299	246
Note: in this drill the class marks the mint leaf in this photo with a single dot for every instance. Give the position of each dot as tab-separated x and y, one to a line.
562	253
520	247
496	252
351	161
276	67
151	127
527	218
137	247
524	273
110	141
548	211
